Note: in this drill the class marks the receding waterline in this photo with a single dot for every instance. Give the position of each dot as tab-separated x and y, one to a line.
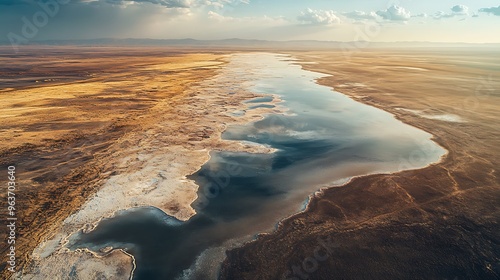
324	139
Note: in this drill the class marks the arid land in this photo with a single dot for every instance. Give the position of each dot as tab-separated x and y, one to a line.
440	222
81	122
99	130
62	110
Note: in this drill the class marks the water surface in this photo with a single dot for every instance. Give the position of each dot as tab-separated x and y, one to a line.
324	139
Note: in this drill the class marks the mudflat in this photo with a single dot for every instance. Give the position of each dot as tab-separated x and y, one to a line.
439	222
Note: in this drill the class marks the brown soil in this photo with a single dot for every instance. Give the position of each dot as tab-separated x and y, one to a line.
440	222
62	108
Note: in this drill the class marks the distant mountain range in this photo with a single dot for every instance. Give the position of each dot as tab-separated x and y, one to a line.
245	43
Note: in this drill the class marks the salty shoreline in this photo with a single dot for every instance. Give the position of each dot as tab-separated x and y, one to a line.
323	204
375	219
108	227
345	183
200	96
106	202
59	134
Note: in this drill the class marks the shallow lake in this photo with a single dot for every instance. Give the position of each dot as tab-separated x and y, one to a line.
323	140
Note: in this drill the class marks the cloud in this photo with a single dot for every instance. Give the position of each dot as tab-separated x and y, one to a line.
441	14
460	10
221	3
165	3
457	10
395	13
493	10
360	15
14	2
218	17
318	17
423	15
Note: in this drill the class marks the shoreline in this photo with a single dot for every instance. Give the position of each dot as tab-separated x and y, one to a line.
323	193
365	208
321	190
60	240
218	138
77	127
93	168
325	187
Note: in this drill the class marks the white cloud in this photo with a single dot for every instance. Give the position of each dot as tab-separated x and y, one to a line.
395	13
360	15
218	17
221	3
457	10
318	17
165	3
170	3
493	10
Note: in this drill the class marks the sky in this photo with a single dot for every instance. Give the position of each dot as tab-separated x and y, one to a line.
473	21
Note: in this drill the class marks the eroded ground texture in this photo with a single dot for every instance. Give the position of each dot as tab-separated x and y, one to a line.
440	222
106	129
95	130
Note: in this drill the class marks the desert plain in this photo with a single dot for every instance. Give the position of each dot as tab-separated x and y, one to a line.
84	124
439	222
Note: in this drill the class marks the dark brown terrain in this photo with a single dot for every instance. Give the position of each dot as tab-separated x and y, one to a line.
440	222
